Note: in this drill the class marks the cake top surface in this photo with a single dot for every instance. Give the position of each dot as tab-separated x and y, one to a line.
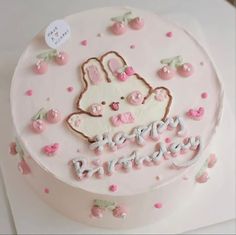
100	85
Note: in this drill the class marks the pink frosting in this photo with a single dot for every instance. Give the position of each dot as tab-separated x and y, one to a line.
23	167
212	160
70	89
204	95
114	65
135	98
93	74
46	190
185	70
113	188
203	178
40	67
136	23
29	92
169	34
62	58
120	212
115	106
38	126
122	76
196	114
118	28
84	42
129	71
161	95
158	205
166	72
53	116
95	109
50	150
122	118
97	212
12	148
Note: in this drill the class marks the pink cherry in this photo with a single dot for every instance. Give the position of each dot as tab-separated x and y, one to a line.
62	58
203	178
129	71
120	212
122	76
136	23
166	72
185	70
97	212
38	126
118	28
12	148
40	67
23	167
53	116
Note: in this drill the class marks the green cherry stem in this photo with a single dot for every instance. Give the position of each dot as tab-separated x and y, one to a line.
39	115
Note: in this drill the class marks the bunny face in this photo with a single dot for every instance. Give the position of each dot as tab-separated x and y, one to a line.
115	98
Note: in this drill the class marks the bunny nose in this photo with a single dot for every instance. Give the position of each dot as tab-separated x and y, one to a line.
115	106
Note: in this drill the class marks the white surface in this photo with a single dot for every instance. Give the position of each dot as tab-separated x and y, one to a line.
222	48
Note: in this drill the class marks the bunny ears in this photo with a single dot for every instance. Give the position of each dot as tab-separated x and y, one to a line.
110	66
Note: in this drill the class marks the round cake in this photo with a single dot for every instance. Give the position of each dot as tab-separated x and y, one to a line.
119	109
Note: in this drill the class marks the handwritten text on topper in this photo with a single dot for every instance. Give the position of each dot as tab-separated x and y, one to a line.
57	33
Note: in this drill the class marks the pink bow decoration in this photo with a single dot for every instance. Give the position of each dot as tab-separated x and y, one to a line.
196	114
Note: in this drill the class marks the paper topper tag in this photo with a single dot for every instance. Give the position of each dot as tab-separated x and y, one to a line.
57	33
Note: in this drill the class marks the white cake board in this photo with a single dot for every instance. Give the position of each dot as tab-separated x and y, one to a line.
211	203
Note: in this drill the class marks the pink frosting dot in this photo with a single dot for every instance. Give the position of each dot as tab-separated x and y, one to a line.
84	43
167	140
113	188
70	89
158	205
29	92
169	34
204	95
46	190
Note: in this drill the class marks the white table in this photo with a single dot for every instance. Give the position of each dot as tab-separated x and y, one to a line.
22	19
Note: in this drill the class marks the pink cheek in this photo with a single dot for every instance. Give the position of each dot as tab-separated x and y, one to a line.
95	109
135	98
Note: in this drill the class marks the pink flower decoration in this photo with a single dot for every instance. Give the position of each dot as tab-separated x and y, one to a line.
50	150
113	188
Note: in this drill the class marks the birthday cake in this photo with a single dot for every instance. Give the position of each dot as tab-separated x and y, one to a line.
114	110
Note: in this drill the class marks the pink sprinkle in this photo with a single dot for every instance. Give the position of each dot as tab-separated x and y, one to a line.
169	34
167	140
132	46
84	43
46	190
70	89
204	95
29	92
113	188
158	205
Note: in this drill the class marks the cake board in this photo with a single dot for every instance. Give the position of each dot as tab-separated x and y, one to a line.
32	215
